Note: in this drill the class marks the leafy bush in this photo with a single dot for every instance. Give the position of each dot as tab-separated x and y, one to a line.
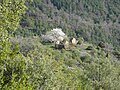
13	74
43	67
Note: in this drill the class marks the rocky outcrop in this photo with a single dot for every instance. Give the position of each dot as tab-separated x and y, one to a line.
73	41
58	37
61	45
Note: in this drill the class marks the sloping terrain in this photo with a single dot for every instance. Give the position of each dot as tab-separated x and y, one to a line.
85	66
28	63
95	21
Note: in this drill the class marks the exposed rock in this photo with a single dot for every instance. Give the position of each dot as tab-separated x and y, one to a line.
73	41
57	45
60	45
57	42
66	44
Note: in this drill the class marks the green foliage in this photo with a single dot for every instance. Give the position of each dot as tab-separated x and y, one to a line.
10	13
90	48
73	69
80	40
102	73
13	74
48	72
26	64
90	19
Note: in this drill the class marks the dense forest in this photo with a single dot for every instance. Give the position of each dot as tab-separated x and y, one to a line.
91	62
94	20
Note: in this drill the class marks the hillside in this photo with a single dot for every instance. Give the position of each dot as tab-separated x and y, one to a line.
95	21
83	67
59	45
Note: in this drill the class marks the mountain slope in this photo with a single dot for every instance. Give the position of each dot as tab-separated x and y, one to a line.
95	20
29	64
